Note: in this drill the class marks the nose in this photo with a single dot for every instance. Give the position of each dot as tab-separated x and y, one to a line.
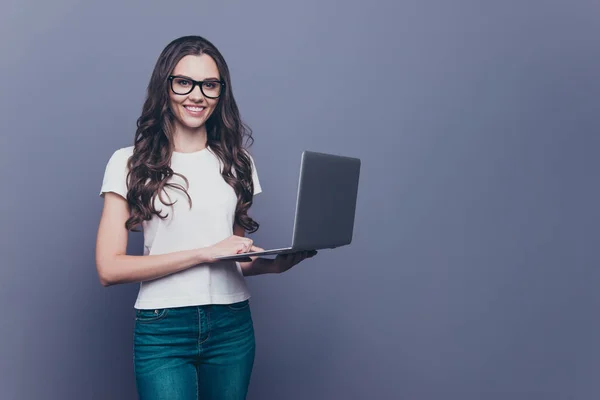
196	94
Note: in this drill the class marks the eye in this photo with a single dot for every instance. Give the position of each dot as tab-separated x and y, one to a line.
210	84
183	82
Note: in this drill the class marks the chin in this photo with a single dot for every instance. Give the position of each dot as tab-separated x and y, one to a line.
192	123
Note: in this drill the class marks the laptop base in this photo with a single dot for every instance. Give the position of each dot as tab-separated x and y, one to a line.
238	256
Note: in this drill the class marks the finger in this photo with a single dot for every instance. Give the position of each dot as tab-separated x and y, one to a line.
256	248
283	258
245	244
297	258
307	254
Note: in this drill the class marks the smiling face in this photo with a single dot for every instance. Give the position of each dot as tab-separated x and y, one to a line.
192	110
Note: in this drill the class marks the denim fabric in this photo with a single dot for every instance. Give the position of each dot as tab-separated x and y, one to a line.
194	353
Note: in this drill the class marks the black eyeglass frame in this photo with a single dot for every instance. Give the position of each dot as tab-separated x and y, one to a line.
196	83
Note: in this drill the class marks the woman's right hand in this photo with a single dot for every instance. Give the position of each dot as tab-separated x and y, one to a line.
232	245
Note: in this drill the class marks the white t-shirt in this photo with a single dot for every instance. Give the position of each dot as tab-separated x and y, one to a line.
210	220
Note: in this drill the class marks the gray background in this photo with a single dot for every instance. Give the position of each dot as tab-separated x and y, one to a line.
473	272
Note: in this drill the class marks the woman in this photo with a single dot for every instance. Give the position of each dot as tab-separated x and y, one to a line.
189	183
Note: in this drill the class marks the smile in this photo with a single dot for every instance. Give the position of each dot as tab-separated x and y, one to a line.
194	109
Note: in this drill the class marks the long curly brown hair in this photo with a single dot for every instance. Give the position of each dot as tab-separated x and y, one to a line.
149	166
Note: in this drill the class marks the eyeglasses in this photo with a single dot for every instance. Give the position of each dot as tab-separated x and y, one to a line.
183	85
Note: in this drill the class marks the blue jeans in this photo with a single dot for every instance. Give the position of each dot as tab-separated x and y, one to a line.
194	353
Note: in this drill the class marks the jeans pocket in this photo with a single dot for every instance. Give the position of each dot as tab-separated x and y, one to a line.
239	306
150	315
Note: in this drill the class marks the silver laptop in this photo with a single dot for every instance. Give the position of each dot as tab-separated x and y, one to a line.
325	204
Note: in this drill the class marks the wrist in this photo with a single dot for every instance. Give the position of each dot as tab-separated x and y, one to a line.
203	255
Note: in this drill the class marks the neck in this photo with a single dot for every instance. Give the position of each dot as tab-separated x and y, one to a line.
188	140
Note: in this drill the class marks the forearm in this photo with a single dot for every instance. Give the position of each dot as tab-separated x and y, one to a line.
128	269
258	266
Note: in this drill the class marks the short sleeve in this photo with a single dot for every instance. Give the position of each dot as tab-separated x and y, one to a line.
255	180
115	174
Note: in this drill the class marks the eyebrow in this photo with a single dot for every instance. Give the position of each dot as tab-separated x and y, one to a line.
211	78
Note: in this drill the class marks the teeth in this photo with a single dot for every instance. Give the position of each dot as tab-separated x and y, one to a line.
194	108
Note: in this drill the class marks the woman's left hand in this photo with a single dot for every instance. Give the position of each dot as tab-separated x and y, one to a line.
284	262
